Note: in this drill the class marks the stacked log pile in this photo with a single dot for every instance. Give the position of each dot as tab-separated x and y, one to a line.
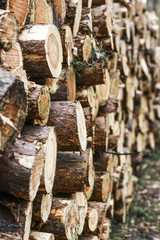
79	92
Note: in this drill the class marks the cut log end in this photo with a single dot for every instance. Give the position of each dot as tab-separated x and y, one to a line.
92	219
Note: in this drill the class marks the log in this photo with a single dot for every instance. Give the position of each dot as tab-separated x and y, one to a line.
41	236
69	121
41	207
42	51
63	219
100	134
66	85
87	3
38	102
67	44
74	171
13	108
86	21
85	95
89	123
10	236
91	222
91	75
82	207
106	229
110	106
103	162
15	217
8	30
21	166
73	14
47	138
89	238
101	187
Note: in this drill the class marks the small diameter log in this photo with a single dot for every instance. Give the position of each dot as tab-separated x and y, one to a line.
100	134
82	206
91	75
86	21
102	21
41	236
101	187
13	58
101	209
10	236
23	163
106	229
103	162
85	95
69	121
8	30
41	207
46	137
111	105
67	44
13	108
15	217
91	220
38	102
42	51
63	219
66	85
73	14
89	123
74	171
83	47
59	12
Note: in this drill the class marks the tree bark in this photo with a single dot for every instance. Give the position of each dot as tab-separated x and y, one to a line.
42	51
69	121
100	134
89	123
13	108
86	21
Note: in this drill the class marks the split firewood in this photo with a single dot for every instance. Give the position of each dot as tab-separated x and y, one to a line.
8	30
41	236
73	14
69	121
41	207
38	102
66	85
74	171
15	220
42	51
63	219
13	108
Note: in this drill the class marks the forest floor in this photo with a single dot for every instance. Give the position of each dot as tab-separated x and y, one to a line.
143	220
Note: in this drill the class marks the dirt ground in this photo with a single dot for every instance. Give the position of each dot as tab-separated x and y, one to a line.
143	220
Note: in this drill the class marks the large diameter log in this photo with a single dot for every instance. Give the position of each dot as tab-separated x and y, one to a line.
41	207
42	51
21	166
38	102
46	137
69	121
8	30
100	134
91	222
41	236
91	75
13	108
67	44
101	187
74	171
63	219
82	206
15	217
73	14
66	85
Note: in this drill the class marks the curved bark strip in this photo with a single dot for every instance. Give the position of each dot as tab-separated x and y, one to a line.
13	108
73	171
19	12
42	51
41	207
38	102
63	115
67	44
15	218
63	219
41	236
46	136
73	14
83	46
9	30
66	85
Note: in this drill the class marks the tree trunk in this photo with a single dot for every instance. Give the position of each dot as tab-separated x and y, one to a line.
42	51
13	108
9	30
15	217
69	121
